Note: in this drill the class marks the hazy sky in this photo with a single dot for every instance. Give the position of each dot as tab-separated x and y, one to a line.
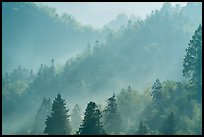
99	13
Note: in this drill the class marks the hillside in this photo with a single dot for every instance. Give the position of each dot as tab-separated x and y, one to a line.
93	63
39	32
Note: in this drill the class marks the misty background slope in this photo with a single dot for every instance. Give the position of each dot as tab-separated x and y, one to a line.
108	59
39	32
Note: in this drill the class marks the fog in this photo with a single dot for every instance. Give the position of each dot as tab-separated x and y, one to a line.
99	52
98	14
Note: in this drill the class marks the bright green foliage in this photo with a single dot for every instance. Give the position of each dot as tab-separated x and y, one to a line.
112	119
91	124
58	123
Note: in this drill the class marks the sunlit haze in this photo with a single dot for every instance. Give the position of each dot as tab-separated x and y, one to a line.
102	68
99	13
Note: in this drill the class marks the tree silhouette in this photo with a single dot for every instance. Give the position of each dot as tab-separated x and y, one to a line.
156	91
142	130
112	119
192	65
91	124
58	123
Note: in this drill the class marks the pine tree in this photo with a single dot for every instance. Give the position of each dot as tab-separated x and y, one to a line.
76	118
58	123
192	65
91	124
142	130
51	73
52	67
40	118
156	91
112	119
169	125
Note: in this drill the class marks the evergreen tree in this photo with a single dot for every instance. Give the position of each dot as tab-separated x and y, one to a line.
76	118
192	65
50	74
112	119
58	123
52	67
142	130
91	124
156	91
169	125
40	118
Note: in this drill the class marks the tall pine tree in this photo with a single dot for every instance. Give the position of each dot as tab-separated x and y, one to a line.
58	123
192	65
112	119
142	130
91	124
156	91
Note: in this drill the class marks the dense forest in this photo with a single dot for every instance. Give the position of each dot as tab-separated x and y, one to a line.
133	76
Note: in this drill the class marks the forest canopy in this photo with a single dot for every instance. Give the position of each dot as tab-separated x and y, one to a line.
133	76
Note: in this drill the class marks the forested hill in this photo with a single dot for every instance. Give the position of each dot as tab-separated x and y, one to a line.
134	56
39	32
